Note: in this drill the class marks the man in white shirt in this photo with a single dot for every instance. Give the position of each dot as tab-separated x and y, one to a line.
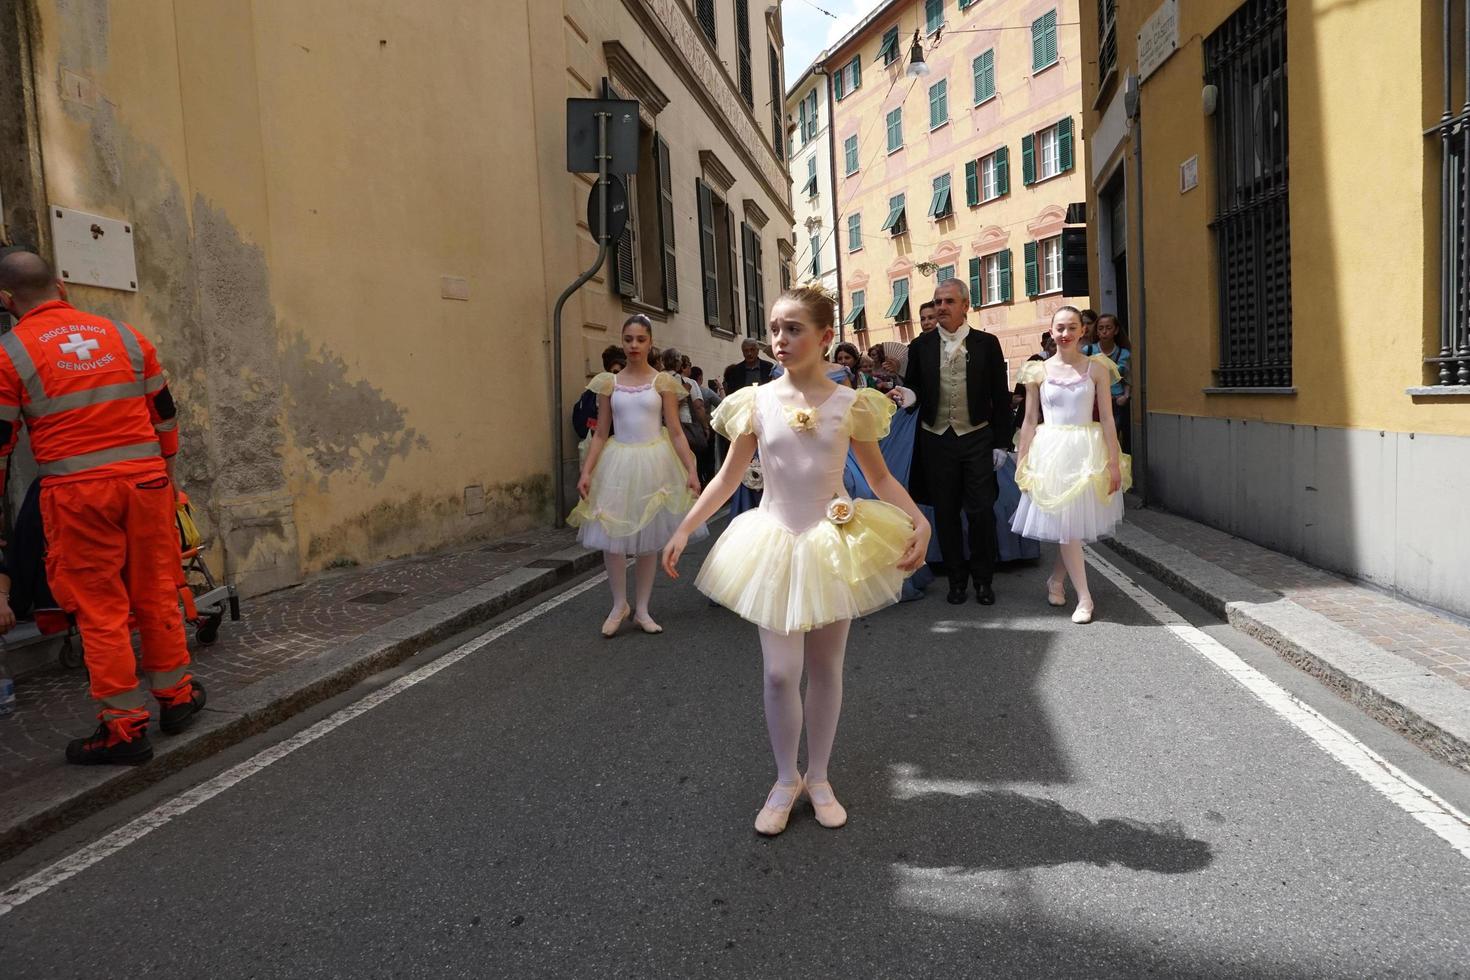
959	377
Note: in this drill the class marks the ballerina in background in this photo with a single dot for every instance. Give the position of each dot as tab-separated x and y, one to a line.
640	477
810	559
1071	469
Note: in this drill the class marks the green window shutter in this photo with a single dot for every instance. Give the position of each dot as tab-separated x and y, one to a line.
889	49
1002	171
850	154
975	299
895	129
1064	145
1028	159
933	15
752	317
839	83
938	104
1038	44
707	253
758	328
1003	262
1033	272
1051	36
985	76
972	183
666	224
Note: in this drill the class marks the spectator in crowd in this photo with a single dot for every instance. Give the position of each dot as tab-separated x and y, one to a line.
584	413
1112	342
1018	393
712	398
752	370
1089	327
928	317
693	416
847	355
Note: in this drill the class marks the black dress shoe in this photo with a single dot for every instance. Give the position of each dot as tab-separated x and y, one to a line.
956	594
985	595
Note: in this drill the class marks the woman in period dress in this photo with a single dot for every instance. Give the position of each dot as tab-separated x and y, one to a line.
1071	470
640	477
810	559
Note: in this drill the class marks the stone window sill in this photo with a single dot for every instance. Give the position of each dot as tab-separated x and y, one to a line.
1439	391
1250	391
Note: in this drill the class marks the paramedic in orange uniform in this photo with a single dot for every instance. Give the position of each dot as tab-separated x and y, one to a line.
104	433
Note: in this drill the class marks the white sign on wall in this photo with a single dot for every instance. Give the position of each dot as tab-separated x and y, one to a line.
1189	175
93	250
1158	39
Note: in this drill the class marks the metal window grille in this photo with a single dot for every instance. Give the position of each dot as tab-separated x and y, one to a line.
742	47
1107	39
1449	364
1246	59
704	12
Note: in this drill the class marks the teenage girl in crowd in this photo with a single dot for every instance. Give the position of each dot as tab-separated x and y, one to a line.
810	559
1113	342
639	482
1070	469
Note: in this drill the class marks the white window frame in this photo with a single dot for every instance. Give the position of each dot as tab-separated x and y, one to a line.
988	187
990	279
1048	153
1049	257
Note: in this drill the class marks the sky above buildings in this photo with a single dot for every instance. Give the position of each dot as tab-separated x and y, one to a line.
809	29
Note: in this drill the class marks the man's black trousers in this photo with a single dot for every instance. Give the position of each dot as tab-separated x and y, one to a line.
961	477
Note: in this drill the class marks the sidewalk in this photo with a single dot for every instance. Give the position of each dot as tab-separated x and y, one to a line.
1405	665
290	649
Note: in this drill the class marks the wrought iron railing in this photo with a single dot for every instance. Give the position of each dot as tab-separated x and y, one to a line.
1245	59
1450	363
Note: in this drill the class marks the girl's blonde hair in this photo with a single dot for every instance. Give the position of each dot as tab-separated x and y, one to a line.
821	304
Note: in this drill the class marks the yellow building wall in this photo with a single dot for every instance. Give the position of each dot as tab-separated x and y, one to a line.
1363	219
308	184
1025	103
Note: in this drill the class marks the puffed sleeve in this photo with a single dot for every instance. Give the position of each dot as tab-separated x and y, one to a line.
1114	375
870	415
666	384
602	384
736	415
1032	373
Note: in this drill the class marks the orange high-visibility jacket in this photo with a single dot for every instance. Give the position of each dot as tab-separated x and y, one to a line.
91	390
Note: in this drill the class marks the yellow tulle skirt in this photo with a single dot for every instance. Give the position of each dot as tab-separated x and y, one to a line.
791	582
1064	484
638	497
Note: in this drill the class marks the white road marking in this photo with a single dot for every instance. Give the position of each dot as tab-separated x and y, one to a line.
1403	790
74	864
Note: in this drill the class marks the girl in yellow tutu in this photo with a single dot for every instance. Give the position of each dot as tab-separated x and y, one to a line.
809	559
1070	470
639	479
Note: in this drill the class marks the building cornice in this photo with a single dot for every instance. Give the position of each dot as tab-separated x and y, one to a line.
638	83
670	25
715	171
754	214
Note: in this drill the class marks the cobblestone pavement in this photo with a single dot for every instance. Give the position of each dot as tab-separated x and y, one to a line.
274	632
1400	628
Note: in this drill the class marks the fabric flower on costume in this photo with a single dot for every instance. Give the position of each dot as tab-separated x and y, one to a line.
801	419
755	477
840	510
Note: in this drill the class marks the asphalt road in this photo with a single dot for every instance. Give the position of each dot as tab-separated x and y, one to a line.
1028	798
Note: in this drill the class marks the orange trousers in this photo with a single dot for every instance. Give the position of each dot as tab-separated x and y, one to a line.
111	547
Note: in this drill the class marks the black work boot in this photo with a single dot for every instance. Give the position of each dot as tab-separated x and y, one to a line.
116	742
176	716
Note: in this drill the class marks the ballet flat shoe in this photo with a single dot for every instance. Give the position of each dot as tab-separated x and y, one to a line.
1056	593
648	626
1083	614
614	623
830	815
772	819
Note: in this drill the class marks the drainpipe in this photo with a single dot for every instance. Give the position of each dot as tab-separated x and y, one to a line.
1140	352
832	206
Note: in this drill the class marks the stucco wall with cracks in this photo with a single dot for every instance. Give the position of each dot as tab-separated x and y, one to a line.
295	207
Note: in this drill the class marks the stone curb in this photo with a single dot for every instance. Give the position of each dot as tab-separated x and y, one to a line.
67	795
1411	700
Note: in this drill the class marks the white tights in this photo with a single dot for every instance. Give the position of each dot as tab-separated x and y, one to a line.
822	650
1071	560
644	569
